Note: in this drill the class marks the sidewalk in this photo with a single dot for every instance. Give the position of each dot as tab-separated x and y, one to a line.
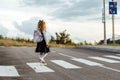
115	49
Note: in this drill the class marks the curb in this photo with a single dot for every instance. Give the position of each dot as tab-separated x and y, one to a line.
115	49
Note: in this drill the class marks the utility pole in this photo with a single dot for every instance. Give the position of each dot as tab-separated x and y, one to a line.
104	21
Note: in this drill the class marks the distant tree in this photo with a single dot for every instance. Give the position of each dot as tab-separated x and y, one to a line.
89	43
95	43
81	43
57	38
1	37
100	42
108	41
23	40
85	42
18	39
52	39
28	40
62	38
117	41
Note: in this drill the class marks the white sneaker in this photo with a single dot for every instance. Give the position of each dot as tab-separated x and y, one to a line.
42	60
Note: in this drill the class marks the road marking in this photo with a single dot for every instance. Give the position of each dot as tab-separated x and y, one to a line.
8	71
87	62
109	68
105	59
66	55
53	51
118	54
111	56
38	68
2	46
65	64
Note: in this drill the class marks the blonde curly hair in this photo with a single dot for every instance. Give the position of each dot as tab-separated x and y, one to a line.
41	25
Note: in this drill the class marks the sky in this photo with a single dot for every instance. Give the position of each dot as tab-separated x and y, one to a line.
81	18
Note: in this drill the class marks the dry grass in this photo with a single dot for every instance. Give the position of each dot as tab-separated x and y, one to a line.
61	45
8	42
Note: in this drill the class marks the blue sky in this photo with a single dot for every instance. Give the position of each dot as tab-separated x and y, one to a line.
81	18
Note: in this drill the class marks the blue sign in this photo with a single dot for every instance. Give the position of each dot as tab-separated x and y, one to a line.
112	7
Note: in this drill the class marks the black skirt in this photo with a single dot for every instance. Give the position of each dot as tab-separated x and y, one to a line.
42	48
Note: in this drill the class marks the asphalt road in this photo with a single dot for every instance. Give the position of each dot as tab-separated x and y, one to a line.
22	63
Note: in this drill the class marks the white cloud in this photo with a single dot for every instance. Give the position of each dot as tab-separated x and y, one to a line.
3	30
81	18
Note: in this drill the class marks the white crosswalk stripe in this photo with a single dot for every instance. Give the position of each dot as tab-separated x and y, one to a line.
87	62
111	56
38	68
65	64
8	71
105	59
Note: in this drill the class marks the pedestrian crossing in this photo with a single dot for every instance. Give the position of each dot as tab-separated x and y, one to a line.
39	69
65	64
11	71
87	62
8	71
111	56
105	59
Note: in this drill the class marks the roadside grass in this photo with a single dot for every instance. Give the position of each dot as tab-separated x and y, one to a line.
62	45
113	44
10	42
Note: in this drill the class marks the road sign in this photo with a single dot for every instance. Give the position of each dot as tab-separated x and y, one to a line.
112	7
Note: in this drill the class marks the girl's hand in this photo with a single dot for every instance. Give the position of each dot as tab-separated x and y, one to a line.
47	45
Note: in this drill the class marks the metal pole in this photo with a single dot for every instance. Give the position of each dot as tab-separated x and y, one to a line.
113	30
105	41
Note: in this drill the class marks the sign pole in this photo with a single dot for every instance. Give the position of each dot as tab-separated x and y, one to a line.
113	11
113	30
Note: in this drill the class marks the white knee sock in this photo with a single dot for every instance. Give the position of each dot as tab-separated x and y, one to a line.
41	56
44	55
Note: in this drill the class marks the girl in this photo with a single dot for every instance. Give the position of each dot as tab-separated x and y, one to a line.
42	46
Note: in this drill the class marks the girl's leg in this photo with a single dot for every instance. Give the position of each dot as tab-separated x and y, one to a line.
42	59
40	56
45	55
